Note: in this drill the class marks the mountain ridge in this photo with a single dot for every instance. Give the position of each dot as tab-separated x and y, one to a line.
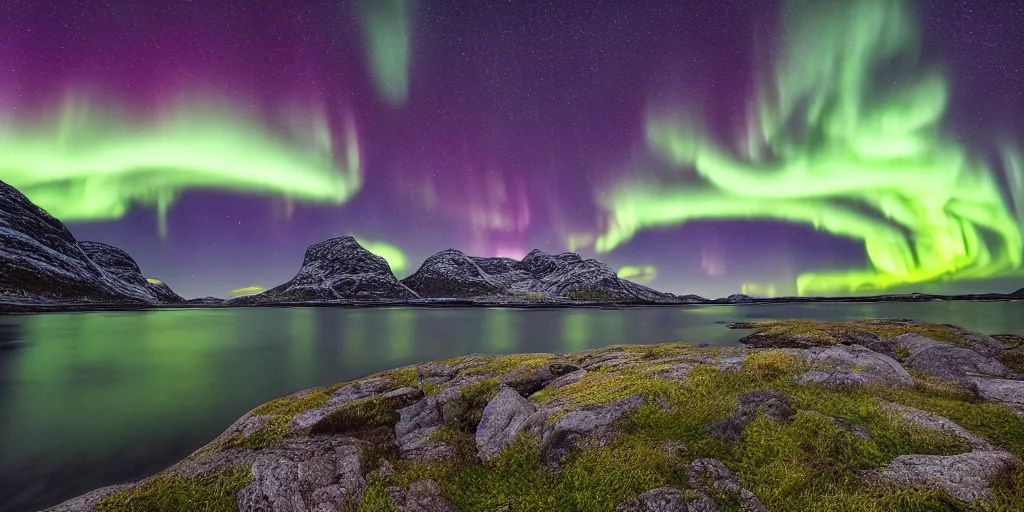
42	262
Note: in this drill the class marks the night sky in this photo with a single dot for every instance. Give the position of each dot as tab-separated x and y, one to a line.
708	147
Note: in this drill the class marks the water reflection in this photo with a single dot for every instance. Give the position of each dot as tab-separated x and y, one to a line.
92	399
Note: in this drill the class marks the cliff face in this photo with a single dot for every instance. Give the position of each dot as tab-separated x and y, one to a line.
452	274
40	261
337	269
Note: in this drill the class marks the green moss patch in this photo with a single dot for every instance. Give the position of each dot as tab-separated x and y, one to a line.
204	493
370	418
502	365
816	332
605	386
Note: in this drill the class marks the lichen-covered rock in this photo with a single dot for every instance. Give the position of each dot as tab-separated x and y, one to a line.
843	366
566	379
422	496
964	476
318	473
712	477
1009	392
88	501
418	422
503	418
593	421
667	499
772	404
947	362
529	381
350	393
982	343
938	423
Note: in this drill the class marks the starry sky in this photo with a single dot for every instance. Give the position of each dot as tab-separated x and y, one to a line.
708	147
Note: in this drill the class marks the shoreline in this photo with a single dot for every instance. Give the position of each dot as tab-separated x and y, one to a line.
31	308
888	413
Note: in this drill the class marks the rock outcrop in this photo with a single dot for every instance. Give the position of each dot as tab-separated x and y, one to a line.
670	427
452	274
338	269
503	419
772	404
41	262
667	499
844	366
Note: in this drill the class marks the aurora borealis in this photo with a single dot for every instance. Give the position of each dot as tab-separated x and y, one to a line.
775	147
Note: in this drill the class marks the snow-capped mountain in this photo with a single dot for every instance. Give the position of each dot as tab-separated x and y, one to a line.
337	269
40	261
452	274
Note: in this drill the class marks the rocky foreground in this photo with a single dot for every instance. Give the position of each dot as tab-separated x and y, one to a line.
873	415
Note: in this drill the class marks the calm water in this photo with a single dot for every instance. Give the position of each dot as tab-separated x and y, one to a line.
93	399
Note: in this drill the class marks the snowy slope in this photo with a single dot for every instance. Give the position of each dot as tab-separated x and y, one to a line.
117	263
451	273
40	260
337	269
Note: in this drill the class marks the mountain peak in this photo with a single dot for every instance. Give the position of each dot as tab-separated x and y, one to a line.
337	269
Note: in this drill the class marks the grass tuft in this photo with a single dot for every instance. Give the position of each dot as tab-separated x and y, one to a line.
214	493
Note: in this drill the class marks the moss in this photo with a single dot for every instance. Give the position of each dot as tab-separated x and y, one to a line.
663	350
589	295
469	407
603	386
799	332
1010	340
1008	490
375	497
772	364
370	418
809	463
402	377
282	412
291	406
1013	359
996	423
503	365
207	493
901	353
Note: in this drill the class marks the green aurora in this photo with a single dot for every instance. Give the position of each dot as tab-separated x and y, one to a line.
392	254
638	273
387	28
87	162
847	139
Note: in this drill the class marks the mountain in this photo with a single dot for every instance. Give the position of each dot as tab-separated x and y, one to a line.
1018	293
452	274
333	270
206	301
40	261
120	265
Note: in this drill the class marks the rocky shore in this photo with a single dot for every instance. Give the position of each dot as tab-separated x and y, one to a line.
875	415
